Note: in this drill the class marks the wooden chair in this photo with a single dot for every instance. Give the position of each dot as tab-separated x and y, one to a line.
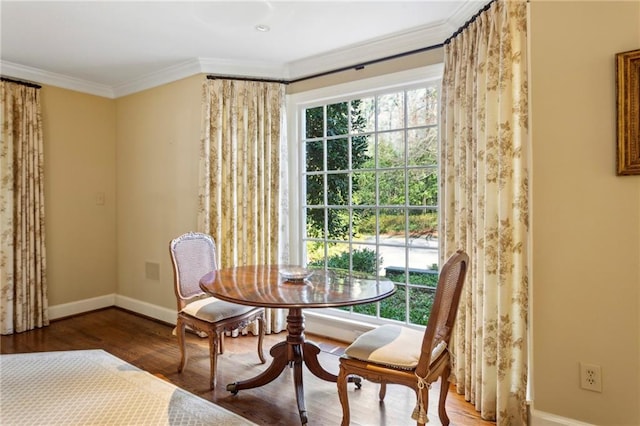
402	355
193	255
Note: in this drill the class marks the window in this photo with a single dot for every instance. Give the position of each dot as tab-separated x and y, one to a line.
369	192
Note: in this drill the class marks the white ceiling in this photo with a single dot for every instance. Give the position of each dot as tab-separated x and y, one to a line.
112	48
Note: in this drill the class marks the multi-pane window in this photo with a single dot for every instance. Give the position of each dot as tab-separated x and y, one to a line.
370	193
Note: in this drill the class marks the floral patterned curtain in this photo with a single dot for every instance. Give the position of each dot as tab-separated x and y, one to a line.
485	205
242	194
23	286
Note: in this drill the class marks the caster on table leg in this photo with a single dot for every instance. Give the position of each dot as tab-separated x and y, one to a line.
231	387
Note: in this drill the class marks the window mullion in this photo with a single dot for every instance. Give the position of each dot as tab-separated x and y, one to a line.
407	241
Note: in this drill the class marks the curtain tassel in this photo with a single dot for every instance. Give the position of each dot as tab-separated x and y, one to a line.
420	413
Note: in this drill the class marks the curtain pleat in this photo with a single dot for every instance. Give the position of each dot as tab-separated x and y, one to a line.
484	206
242	181
23	287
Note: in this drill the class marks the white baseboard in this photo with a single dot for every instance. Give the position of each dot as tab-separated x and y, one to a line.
316	323
134	305
540	418
80	306
147	309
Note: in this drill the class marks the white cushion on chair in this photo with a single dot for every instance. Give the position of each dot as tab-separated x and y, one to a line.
211	309
391	345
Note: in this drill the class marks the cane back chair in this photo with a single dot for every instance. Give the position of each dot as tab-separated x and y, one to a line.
401	355
193	255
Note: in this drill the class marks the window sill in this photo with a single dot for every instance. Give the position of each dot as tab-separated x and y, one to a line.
341	329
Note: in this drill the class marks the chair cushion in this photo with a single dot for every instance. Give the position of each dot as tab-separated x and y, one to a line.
391	345
211	309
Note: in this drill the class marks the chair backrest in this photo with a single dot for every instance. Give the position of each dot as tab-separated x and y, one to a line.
193	255
445	307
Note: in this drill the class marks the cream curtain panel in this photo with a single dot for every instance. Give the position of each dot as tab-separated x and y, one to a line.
485	205
23	286
243	175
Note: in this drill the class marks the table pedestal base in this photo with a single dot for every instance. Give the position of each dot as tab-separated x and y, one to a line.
294	351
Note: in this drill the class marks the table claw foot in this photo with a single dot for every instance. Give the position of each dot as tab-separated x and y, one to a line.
356	380
232	387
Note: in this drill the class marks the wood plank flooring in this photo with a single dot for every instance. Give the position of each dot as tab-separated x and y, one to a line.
150	345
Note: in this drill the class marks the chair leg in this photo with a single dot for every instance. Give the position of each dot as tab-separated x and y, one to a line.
180	333
213	356
383	391
344	396
444	390
221	343
261	327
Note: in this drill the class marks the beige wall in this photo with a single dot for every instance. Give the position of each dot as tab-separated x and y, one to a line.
80	162
586	228
158	142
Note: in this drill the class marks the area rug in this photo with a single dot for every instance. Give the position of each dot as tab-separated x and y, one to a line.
93	387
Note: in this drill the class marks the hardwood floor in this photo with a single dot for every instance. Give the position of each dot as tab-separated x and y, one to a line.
150	345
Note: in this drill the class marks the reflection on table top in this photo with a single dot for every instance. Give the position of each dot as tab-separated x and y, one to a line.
264	285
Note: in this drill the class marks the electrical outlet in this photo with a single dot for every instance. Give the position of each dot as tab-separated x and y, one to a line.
590	377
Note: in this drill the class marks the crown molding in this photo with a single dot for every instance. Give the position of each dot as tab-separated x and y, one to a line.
419	38
464	13
158	78
10	69
408	41
247	69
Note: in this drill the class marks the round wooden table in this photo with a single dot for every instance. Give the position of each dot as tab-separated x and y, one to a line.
265	285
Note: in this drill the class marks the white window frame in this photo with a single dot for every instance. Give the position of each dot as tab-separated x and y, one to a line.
334	323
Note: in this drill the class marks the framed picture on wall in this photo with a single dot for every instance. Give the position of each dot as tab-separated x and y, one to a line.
628	109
